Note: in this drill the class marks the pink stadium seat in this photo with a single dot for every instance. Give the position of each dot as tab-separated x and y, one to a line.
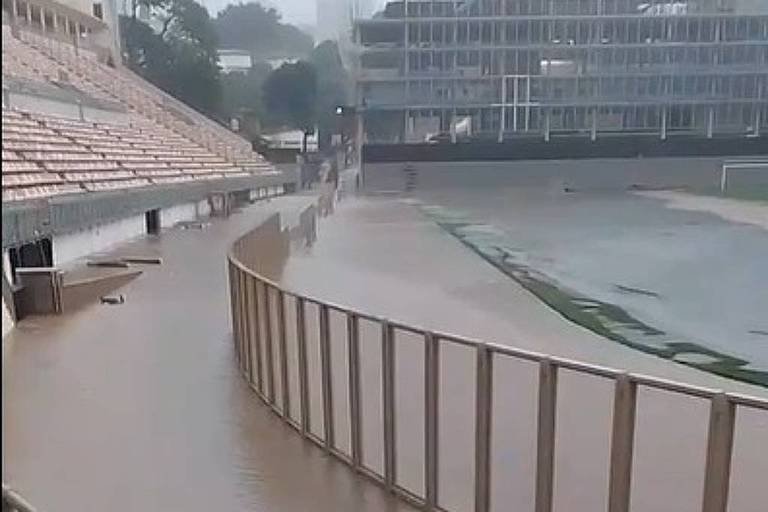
162	141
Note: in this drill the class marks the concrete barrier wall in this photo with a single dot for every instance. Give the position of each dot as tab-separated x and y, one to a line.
75	245
26	221
72	246
594	174
182	212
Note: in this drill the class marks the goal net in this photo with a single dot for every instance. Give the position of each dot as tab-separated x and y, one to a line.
747	178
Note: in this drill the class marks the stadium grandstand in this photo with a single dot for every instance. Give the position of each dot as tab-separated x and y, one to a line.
92	154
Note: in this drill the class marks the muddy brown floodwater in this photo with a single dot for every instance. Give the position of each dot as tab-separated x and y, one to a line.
139	406
385	256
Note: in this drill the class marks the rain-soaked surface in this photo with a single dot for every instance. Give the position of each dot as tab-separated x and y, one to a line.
386	256
687	285
139	406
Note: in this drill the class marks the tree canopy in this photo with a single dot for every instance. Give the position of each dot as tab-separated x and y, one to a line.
290	97
332	88
258	30
242	92
181	57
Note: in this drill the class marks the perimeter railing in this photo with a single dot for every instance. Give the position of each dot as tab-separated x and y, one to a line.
13	502
290	354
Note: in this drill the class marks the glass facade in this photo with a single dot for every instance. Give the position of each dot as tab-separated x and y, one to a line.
542	67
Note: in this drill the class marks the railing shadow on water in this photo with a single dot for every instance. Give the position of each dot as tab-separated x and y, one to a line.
397	402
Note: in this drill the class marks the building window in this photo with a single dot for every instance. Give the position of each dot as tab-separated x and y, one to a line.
98	11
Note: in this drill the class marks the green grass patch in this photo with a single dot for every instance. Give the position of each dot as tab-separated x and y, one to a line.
604	319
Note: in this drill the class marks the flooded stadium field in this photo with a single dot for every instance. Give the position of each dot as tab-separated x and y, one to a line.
196	438
422	260
685	285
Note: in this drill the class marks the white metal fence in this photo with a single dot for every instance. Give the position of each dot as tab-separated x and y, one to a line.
289	353
13	502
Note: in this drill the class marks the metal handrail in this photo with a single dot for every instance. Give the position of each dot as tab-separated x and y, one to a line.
13	502
254	299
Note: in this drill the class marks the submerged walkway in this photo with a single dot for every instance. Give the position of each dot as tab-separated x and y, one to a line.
140	407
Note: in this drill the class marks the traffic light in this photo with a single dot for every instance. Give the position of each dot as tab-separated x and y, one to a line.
345	110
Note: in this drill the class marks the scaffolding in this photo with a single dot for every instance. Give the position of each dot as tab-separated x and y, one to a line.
550	67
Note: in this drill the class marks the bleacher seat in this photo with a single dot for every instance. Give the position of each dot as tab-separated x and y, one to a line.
163	141
44	156
92	76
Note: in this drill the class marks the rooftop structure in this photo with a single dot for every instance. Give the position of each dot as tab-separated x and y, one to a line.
234	60
543	68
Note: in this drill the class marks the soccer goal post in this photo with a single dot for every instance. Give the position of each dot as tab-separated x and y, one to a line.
734	170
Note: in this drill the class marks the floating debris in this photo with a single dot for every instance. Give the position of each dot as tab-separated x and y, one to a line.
108	263
193	224
694	358
112	301
636	291
149	260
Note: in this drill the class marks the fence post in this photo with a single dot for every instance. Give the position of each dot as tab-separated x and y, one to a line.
327	382
283	354
301	337
431	421
545	439
239	311
722	418
257	335
622	443
483	405
267	320
247	328
233	306
353	341
388	403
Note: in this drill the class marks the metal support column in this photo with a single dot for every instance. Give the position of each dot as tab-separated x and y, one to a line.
483	421
545	441
355	419
301	337
593	133
431	421
622	443
515	102
269	344
254	292
388	403
283	344
326	376
722	418
503	116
